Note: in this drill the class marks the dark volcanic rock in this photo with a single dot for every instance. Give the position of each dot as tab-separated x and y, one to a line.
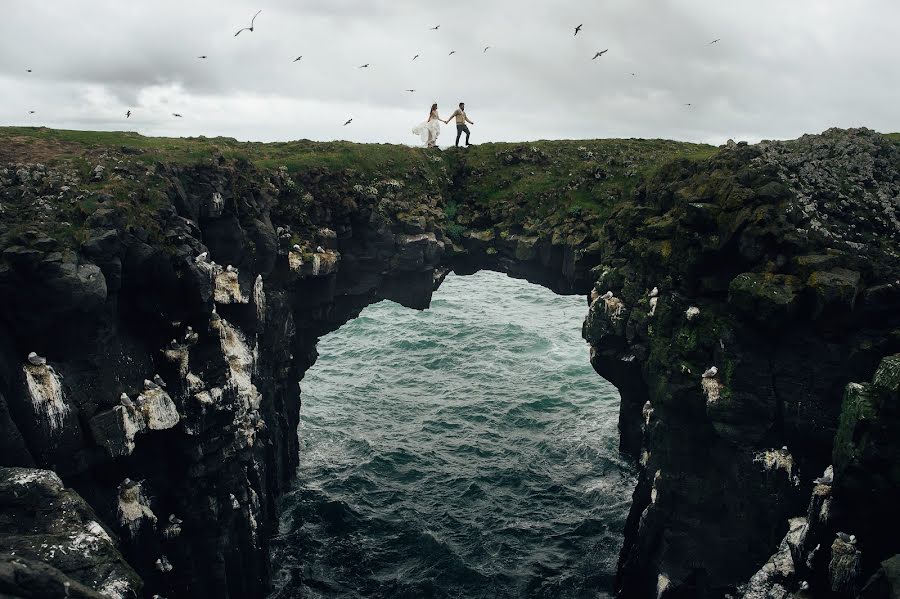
731	300
42	521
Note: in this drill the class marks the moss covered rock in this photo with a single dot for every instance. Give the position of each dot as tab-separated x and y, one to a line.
770	299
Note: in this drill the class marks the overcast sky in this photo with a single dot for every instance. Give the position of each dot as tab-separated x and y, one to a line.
782	67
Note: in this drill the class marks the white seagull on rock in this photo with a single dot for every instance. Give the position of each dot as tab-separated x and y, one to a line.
711	372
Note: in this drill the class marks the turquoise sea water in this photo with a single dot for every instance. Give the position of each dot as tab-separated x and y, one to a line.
465	451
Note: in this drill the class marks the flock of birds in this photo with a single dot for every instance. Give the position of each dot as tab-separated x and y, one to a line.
252	28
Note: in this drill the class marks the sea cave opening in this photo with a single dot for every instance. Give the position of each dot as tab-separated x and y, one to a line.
465	450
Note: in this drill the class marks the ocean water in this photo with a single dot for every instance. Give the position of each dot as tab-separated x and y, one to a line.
465	451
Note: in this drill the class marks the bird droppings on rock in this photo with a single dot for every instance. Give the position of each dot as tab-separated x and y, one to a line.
778	459
259	299
227	287
45	391
662	585
133	507
654	493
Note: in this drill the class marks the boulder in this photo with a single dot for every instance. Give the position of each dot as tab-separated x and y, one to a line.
41	521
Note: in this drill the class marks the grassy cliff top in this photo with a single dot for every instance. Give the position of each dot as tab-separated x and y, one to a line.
570	185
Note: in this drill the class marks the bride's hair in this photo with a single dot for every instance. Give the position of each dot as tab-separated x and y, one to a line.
433	108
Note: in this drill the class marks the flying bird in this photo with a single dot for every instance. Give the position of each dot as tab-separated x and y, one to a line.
436	28
486	49
298	59
31	112
415	57
128	115
577	29
688	104
715	41
348	122
364	66
250	29
412	91
27	70
202	57
452	52
599	54
175	114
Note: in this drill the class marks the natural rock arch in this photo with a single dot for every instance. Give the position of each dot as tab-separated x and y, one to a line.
745	261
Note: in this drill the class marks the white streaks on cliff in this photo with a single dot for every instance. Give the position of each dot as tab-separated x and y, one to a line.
45	390
133	506
90	539
228	288
158	409
259	299
241	368
180	357
27	477
778	459
654	299
662	585
117	588
654	493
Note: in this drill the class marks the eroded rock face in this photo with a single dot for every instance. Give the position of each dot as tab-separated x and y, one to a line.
42	522
730	300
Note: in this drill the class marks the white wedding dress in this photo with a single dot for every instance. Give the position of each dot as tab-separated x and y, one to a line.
429	130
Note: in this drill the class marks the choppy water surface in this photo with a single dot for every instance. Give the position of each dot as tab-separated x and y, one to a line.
465	451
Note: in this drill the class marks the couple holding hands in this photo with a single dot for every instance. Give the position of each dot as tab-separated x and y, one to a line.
431	129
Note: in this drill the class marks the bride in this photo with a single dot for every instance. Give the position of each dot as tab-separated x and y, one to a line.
430	129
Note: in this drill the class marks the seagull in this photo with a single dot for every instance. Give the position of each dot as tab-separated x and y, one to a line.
715	41
128	115
348	122
202	257
577	29
486	49
599	54
412	91
452	52
150	385
298	59
711	372
688	104
846	538
415	57
435	28
296	247
158	380
31	112
320	249
36	360
365	66
250	29
202	57
633	74
175	114
827	478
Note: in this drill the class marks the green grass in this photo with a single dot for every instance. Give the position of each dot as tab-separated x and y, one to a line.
534	187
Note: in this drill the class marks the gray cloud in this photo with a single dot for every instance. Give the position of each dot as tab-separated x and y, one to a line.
781	69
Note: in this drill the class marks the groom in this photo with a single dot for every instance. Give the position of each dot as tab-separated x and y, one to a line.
461	120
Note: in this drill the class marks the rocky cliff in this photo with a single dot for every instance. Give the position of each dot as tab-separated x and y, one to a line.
173	291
